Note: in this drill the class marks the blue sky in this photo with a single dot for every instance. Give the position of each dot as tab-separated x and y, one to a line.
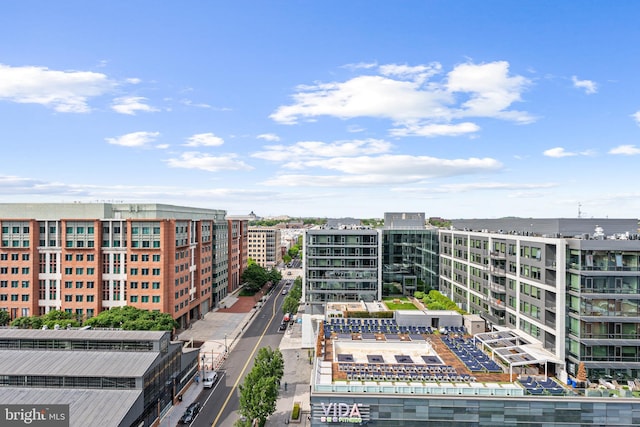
459	109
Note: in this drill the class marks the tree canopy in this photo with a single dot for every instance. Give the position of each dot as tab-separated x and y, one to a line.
50	320
255	277
292	301
259	391
132	318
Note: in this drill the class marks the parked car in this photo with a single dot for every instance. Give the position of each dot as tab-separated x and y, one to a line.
210	379
190	413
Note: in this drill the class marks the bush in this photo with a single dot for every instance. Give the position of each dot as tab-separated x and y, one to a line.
295	414
419	295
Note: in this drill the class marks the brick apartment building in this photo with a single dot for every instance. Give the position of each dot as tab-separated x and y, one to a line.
88	257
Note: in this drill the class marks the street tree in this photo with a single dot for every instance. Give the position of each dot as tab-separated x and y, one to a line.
4	317
254	278
292	301
259	391
134	319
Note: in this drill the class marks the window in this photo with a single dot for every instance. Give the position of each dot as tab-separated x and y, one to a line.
68	270
156	285
89	230
25	270
79	270
14	283
25	257
134	257
145	298
79	285
133	285
25	297
4	257
156	299
90	257
90	285
134	271
68	298
145	271
156	271
79	257
134	298
80	230
156	258
14	270
145	285
89	298
145	258
25	283
90	270
69	230
68	285
78	298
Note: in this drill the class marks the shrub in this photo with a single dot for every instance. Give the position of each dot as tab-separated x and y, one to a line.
295	414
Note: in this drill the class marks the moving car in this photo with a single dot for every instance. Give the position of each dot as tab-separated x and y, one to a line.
190	413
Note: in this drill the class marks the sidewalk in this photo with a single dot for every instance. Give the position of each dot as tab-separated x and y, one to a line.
217	331
297	377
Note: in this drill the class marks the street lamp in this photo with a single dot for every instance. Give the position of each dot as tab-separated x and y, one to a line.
204	372
225	344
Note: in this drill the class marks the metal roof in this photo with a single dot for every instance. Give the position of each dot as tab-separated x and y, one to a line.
87	407
76	363
82	334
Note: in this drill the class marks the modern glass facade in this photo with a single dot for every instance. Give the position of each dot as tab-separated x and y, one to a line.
416	411
410	259
341	265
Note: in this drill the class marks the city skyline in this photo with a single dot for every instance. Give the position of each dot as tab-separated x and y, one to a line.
324	109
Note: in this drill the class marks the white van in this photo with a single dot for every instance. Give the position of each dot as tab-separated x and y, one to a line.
209	379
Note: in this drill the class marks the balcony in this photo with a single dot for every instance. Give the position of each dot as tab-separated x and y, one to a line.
498	255
497	271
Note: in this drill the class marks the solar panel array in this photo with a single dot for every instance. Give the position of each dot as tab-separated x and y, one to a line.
474	359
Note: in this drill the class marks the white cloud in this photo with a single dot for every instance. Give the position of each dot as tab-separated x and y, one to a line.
490	89
432	130
627	150
636	117
162	146
475	186
207	162
190	103
383	170
590	87
405	164
412	99
315	149
204	140
558	152
131	104
64	91
360	65
133	80
134	139
269	137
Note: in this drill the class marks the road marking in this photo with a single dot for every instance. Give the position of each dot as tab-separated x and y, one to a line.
244	368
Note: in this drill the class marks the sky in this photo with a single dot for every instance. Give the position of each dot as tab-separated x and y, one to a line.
349	108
